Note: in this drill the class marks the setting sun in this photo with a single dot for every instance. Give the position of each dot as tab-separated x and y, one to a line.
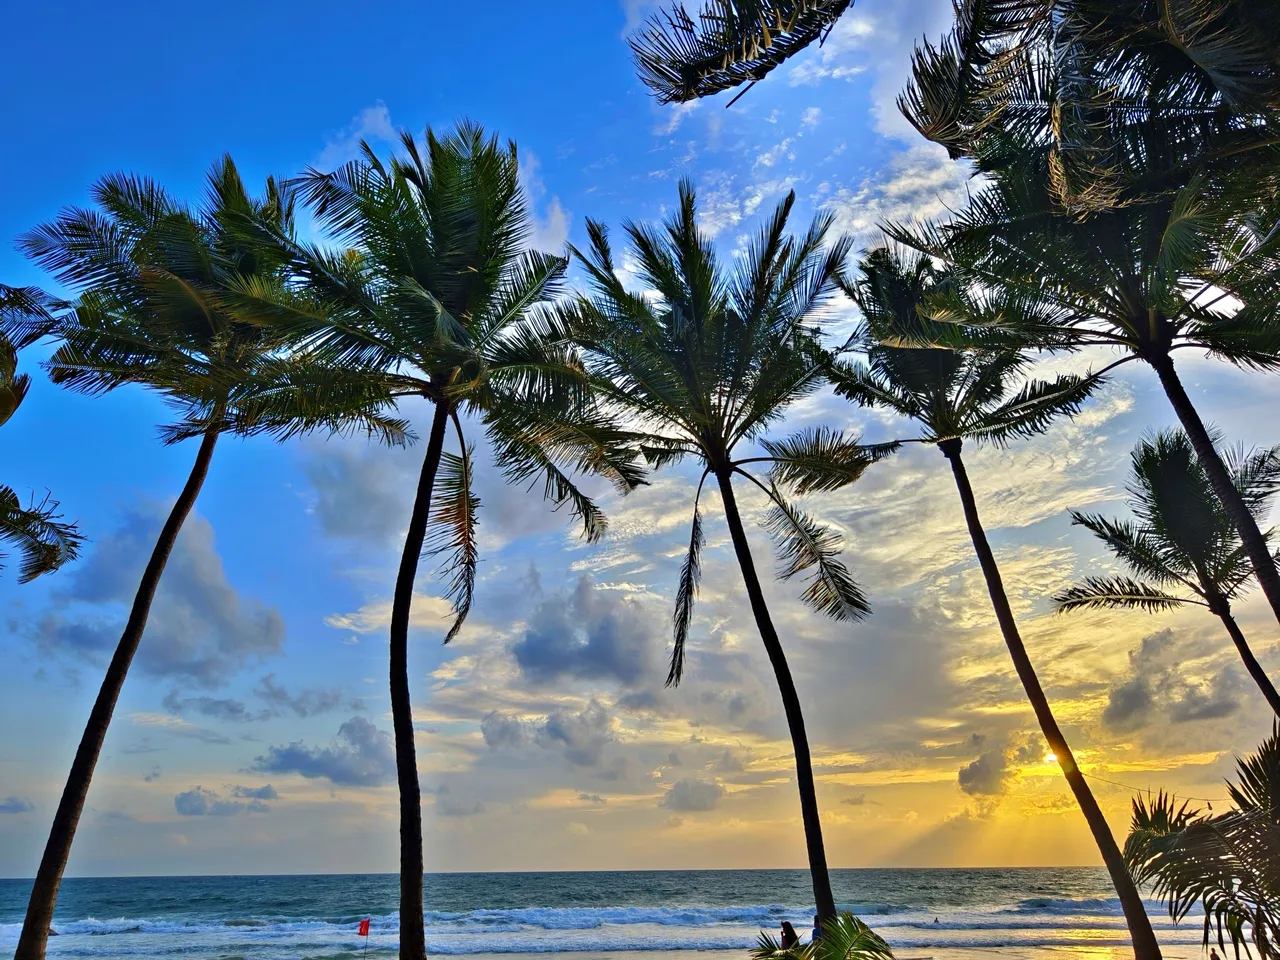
1050	758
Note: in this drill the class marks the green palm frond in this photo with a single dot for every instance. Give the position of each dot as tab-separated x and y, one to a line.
1033	408
1117	593
804	545
682	57
38	532
452	533
845	937
821	459
26	315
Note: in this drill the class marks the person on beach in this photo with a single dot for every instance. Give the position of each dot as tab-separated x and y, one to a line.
817	930
789	936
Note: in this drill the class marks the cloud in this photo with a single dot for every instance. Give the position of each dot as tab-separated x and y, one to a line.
360	756
267	792
579	737
1156	687
858	800
876	36
176	726
920	183
200	628
213	707
986	776
674	115
372	123
305	703
199	802
691	796
593	798
587	634
16	805
811	117
550	231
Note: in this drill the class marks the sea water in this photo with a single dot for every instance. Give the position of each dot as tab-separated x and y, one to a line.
921	912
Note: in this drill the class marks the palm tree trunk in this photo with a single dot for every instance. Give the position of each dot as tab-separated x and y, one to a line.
822	896
44	892
1250	661
1264	565
413	937
1144	938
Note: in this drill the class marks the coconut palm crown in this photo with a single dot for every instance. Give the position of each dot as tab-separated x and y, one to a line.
1183	545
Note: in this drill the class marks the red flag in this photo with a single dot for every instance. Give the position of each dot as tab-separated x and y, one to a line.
364	927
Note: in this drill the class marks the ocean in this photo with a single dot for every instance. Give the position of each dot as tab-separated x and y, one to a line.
1028	912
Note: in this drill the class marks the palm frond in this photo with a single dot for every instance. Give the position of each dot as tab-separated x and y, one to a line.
802	544
452	532
730	42
821	459
1117	593
39	534
687	591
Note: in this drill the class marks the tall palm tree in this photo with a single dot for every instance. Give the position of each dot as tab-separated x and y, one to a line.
1225	862
36	530
704	366
969	394
167	300
435	299
1145	279
1183	539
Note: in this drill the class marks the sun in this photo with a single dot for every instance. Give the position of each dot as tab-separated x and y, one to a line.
1050	758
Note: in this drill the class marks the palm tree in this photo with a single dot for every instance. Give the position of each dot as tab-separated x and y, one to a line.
1183	539
36	530
956	395
1146	279
435	300
704	365
1226	862
167	301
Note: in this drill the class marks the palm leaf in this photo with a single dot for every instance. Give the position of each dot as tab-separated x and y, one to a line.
452	533
730	42
39	534
687	592
1116	593
821	459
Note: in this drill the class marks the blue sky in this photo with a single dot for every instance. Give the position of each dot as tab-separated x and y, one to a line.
252	734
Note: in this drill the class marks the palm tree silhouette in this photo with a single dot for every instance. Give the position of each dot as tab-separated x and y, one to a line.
707	365
171	299
435	299
1183	539
968	394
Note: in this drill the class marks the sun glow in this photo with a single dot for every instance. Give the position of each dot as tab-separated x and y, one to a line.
1050	758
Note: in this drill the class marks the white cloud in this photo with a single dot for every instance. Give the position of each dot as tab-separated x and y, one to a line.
372	123
551	229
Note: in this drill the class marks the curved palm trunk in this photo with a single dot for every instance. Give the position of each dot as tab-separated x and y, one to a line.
44	893
822	896
1135	914
1264	565
1223	610
413	939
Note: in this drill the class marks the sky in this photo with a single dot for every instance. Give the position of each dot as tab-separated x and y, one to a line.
253	734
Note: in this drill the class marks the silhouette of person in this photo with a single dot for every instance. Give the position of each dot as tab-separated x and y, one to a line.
789	936
817	930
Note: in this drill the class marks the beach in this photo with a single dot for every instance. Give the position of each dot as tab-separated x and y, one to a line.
631	915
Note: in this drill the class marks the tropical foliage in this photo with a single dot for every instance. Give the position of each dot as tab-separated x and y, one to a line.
1224	863
971	392
843	938
173	299
433	296
703	366
37	530
1183	541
